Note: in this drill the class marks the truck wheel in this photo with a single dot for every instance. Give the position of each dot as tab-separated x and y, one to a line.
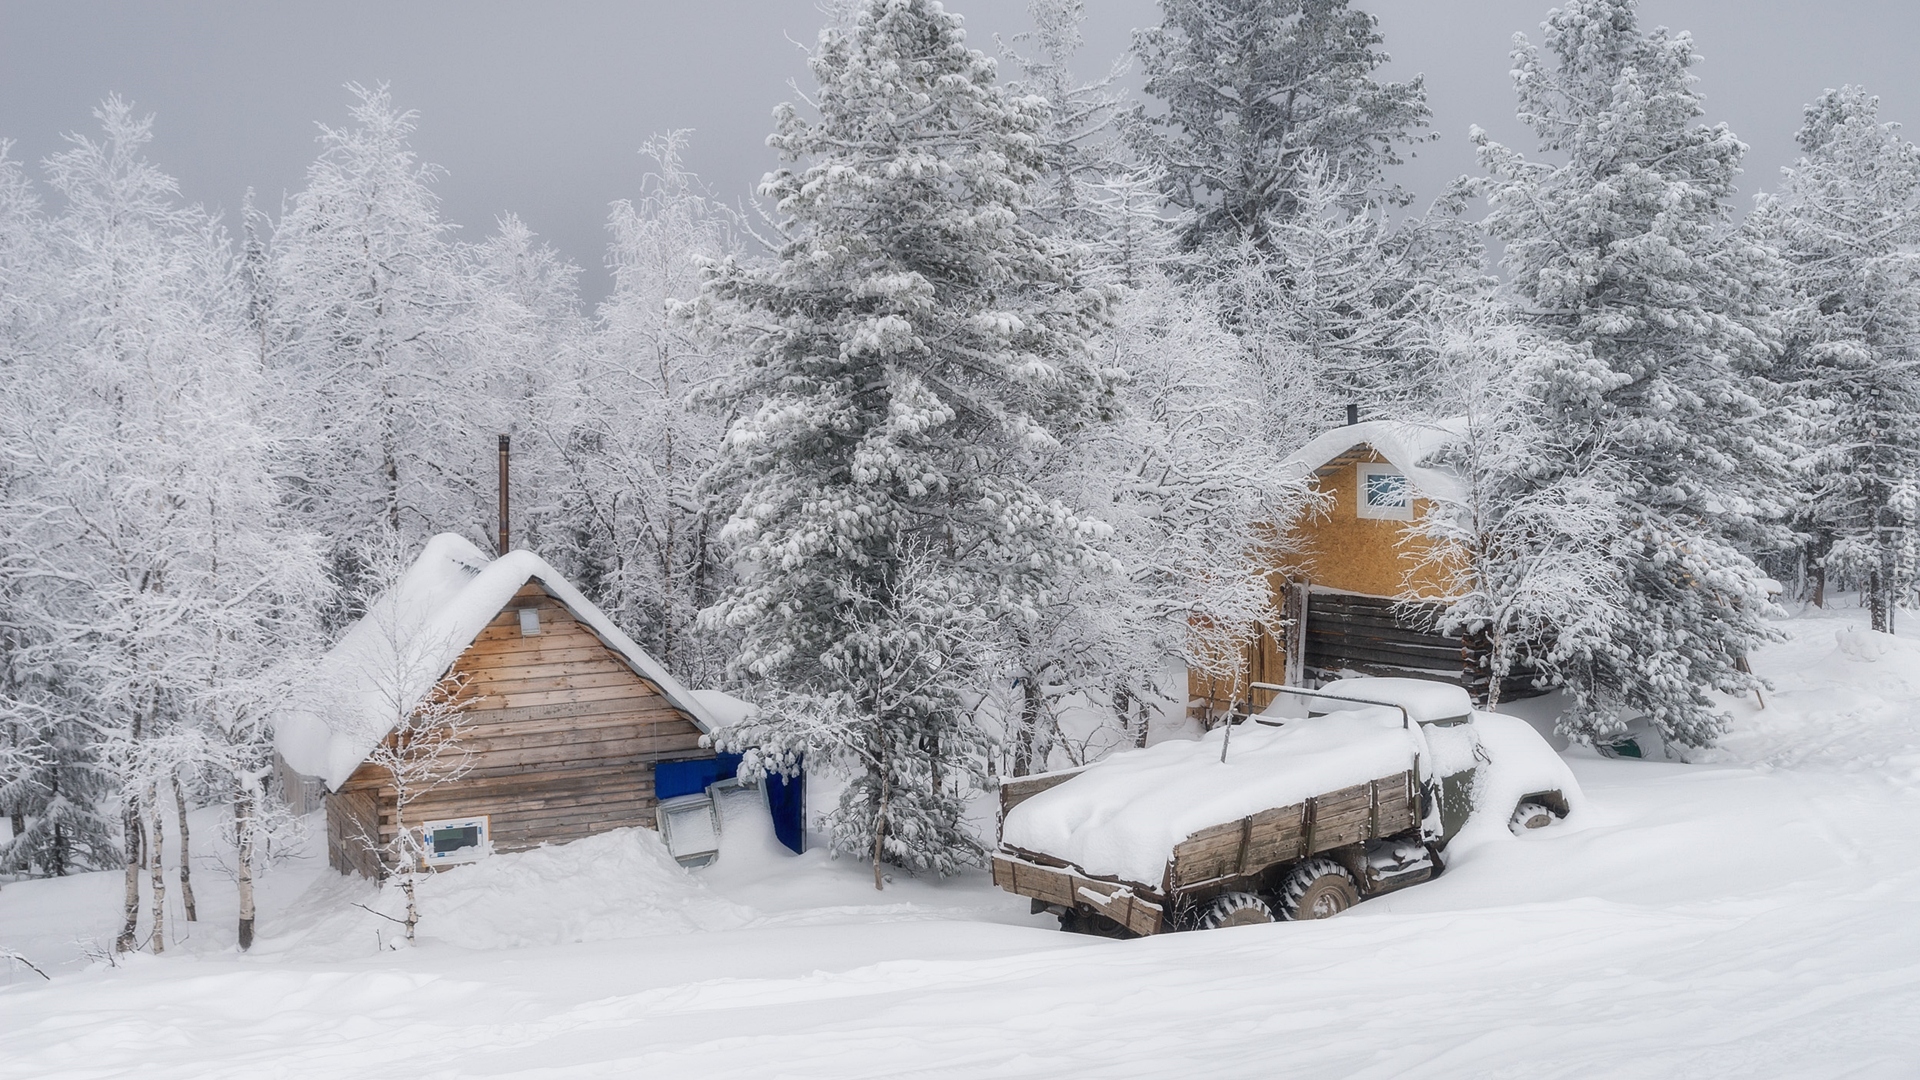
1094	925
1529	815
1317	889
1232	909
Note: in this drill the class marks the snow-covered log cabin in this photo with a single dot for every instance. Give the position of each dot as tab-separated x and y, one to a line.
560	720
1358	583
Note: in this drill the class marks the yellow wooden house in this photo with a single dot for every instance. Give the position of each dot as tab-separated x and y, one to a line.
1358	585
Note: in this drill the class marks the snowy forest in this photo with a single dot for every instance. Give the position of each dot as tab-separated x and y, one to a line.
972	413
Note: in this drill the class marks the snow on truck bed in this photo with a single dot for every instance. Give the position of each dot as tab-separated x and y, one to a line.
1122	816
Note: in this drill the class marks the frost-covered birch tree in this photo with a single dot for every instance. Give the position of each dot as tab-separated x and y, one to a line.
1620	246
155	510
1198	502
634	437
909	351
373	305
54	787
1526	560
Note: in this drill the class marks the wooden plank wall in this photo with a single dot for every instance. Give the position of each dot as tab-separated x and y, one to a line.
1375	635
1016	790
352	820
1377	808
561	734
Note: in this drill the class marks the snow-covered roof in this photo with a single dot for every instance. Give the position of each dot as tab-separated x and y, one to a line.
388	661
1407	444
725	709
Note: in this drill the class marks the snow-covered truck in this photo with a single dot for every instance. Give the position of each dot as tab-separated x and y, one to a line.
1275	817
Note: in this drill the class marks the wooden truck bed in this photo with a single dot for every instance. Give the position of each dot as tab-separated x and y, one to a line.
1215	859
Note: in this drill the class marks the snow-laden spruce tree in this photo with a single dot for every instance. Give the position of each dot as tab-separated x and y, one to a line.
634	526
1620	246
1847	220
1257	92
912	347
1084	165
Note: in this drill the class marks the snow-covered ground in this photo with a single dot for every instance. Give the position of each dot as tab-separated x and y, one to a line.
1751	914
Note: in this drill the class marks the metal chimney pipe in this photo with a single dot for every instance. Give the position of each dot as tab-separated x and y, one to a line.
503	496
1353	417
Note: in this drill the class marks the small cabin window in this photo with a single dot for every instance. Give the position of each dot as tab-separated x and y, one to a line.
529	622
456	840
1384	492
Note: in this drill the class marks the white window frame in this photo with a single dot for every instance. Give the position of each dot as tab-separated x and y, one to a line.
462	855
690	852
1368	469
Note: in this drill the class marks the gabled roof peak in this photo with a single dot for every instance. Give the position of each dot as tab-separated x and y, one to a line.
1408	444
389	660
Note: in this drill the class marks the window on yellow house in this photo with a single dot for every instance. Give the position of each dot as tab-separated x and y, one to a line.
1384	492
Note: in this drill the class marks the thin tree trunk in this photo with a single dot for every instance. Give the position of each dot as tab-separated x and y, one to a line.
1128	710
413	908
880	827
1877	601
157	870
130	923
1819	585
186	854
1496	669
243	859
1030	749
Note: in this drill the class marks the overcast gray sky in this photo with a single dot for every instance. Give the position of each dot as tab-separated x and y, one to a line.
540	108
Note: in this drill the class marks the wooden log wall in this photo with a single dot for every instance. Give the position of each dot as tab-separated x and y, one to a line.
561	737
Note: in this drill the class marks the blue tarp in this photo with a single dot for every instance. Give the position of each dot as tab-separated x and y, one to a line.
786	796
671	778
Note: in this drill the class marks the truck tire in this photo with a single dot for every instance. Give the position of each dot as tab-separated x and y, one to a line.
1074	921
1317	889
1529	815
1231	909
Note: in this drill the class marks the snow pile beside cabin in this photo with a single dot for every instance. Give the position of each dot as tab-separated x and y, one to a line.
1123	816
392	658
617	885
1409	446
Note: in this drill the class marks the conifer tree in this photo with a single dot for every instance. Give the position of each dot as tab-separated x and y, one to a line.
1621	246
1847	220
913	345
1256	93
